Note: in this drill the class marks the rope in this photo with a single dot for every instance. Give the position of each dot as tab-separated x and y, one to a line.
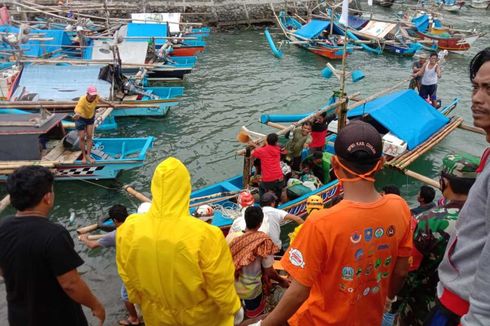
99	185
233	211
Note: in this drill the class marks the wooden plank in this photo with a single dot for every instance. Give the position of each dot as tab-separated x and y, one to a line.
69	156
55	153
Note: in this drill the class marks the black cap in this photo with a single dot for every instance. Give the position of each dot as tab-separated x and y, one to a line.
359	146
268	198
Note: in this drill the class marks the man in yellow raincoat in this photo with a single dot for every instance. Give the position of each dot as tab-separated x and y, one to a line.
176	267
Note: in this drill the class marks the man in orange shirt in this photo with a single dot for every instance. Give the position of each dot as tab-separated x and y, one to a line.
350	260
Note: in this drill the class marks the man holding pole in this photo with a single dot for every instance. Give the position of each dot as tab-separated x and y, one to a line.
463	290
84	120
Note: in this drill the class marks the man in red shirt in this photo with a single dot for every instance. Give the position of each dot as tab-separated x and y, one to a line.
349	260
270	165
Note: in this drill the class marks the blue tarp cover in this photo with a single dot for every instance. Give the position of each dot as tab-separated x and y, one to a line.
421	23
356	22
405	114
61	83
312	29
147	31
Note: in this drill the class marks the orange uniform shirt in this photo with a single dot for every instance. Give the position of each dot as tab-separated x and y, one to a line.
346	254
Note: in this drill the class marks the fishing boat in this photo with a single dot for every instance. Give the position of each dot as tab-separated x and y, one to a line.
409	125
52	85
39	139
451	5
428	28
384	36
318	36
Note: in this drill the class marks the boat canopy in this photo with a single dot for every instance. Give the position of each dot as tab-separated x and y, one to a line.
312	29
377	29
41	42
405	114
356	22
147	32
59	83
172	18
129	52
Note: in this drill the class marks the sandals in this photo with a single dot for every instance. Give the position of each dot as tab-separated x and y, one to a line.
127	322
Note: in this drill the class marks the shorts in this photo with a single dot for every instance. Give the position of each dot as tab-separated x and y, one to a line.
428	91
82	123
124	293
274	186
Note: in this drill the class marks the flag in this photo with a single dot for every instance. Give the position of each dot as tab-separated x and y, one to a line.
370	2
344	18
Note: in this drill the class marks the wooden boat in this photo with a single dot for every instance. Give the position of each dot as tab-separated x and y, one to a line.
446	39
420	126
316	36
63	85
22	137
384	36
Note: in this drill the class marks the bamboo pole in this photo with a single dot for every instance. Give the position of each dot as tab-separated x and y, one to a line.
423	178
136	194
276	125
72	104
472	129
87	229
4	203
95	236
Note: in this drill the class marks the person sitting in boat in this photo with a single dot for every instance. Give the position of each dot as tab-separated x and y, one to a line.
118	214
252	254
416	67
319	129
430	73
318	166
270	165
426	200
84	121
301	140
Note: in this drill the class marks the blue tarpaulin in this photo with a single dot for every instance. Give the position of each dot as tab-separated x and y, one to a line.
421	23
59	83
312	29
405	114
146	31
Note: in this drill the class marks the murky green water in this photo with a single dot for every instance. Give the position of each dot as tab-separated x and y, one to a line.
238	79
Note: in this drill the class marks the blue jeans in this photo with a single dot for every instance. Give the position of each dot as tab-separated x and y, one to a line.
388	319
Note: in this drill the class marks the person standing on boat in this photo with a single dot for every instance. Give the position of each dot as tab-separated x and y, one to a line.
349	260
319	130
301	140
38	260
118	214
463	290
84	121
430	73
434	227
270	165
416	67
176	267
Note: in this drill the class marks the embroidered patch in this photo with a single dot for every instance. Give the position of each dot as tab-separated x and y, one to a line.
379	232
375	289
358	254
347	273
368	234
388	261
355	237
377	263
359	272
296	258
369	269
390	231
366	291
383	246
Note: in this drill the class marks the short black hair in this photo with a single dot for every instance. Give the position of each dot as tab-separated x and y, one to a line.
253	217
306	123
272	139
317	155
118	213
433	54
478	60
391	189
460	186
427	194
28	185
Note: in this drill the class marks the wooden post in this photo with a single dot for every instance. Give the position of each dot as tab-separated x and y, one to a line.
246	167
136	194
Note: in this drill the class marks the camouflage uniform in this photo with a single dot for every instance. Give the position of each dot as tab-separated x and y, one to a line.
431	235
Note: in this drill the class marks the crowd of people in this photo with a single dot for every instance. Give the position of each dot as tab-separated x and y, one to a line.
368	260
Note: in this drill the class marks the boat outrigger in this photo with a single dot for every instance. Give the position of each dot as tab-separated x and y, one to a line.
40	139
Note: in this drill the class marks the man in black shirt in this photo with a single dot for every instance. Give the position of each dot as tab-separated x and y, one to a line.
38	260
